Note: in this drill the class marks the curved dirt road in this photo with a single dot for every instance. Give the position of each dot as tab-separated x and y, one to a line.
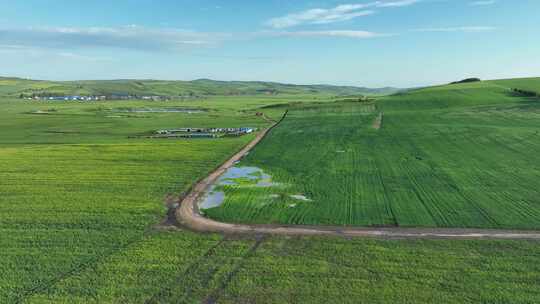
188	215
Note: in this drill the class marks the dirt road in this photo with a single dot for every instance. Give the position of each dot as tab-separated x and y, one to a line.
188	215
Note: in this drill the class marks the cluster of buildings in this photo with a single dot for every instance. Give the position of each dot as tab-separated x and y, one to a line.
96	98
67	98
202	132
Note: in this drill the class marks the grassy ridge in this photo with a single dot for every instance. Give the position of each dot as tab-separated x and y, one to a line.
456	156
527	84
450	96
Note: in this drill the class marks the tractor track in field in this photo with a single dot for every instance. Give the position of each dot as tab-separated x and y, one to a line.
188	215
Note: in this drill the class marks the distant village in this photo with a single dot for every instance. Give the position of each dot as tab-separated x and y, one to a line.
203	132
104	97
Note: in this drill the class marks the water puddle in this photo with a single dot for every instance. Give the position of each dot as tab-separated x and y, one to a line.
212	199
246	176
235	176
301	197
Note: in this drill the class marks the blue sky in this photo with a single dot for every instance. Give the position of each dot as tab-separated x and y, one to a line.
373	43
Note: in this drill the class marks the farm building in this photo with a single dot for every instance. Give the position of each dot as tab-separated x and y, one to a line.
202	132
186	135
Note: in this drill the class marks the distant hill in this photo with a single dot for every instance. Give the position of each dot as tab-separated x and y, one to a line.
468	80
201	87
488	92
527	84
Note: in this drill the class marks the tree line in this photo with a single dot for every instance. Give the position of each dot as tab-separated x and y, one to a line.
525	93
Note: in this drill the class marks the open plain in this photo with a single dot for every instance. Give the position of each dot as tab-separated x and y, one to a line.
86	200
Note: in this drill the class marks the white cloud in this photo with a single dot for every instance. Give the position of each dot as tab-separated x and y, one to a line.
336	33
128	37
466	29
339	13
77	43
482	2
397	3
74	56
317	16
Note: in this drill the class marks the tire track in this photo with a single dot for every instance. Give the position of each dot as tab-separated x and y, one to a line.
214	295
180	281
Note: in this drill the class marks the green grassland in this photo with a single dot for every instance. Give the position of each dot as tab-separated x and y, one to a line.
453	156
75	189
182	267
314	270
106	122
527	84
82	196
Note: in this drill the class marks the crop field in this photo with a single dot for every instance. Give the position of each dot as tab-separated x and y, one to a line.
76	189
82	205
34	122
313	270
182	267
63	208
454	156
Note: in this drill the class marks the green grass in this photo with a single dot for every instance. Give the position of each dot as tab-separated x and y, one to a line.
76	190
450	96
314	270
527	84
65	208
101	122
182	267
80	201
454	156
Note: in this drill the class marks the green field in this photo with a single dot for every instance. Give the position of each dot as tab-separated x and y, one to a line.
75	189
452	156
528	84
181	267
82	199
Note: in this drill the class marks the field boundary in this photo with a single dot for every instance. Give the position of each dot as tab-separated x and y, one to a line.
188	215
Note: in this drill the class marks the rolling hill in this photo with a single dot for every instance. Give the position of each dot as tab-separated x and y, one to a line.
201	87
